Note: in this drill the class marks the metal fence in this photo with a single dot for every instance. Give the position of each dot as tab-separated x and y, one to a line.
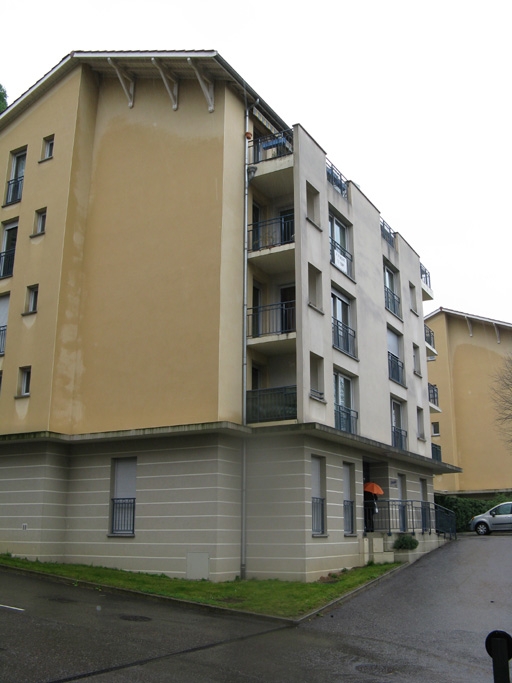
343	337
337	179
341	258
271	146
412	516
345	419
7	262
272	319
123	515
3	332
268	405
318	515
348	516
271	233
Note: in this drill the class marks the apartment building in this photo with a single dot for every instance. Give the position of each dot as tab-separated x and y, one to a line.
470	350
211	340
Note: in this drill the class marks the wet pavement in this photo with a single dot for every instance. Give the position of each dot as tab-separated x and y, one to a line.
425	623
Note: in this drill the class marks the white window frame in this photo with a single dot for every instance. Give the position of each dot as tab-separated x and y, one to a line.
25	377
48	144
32	298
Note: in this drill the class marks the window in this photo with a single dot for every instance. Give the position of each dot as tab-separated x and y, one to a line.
398	434
314	287
348	498
312	204
124	475
15	184
31	300
318	495
395	365
316	369
345	418
413	298
24	381
48	147
9	237
420	420
340	254
391	287
343	336
40	222
4	313
435	429
416	359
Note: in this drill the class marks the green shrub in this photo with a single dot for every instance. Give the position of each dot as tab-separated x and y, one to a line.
405	542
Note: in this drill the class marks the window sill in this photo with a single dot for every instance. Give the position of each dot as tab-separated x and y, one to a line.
315	225
350	535
415	312
37	234
4	206
41	161
120	535
17	396
315	308
320	535
320	399
418	373
28	313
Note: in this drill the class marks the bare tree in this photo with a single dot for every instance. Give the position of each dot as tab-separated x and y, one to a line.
501	393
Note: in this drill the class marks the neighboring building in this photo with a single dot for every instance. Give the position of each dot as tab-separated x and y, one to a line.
470	351
211	338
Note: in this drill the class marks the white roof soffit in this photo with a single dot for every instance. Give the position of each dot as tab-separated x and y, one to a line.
203	66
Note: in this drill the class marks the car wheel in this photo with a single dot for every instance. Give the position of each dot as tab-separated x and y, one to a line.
482	529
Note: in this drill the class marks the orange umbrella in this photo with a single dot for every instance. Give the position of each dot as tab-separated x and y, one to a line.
372	487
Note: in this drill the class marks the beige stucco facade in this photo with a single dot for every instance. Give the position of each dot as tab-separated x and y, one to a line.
227	339
470	354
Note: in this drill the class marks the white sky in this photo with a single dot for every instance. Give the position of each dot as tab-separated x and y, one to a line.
410	99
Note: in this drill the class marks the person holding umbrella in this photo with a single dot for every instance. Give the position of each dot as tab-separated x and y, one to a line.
371	490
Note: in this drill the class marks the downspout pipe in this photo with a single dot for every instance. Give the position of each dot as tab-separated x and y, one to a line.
243	521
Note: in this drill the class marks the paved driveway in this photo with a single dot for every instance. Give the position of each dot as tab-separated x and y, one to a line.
426	623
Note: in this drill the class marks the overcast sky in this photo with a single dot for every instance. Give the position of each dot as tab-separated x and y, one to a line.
410	99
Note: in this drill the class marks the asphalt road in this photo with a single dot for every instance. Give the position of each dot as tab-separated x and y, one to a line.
426	623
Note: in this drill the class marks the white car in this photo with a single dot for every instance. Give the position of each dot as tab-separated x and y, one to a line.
498	518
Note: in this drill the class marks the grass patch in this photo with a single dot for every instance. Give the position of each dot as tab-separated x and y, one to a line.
289	599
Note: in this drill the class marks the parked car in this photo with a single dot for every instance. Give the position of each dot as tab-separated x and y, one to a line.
498	518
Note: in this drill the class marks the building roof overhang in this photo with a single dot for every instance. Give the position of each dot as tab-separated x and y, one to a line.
368	447
205	66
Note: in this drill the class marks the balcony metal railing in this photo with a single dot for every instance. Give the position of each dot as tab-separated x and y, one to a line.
396	369
413	516
337	179
341	258
348	516
433	394
425	275
272	319
318	515
14	190
123	515
392	301
3	332
345	419
271	146
7	263
343	338
387	233
429	336
399	438
270	405
271	233
436	452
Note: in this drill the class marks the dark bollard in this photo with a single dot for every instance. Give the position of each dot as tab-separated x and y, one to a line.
499	646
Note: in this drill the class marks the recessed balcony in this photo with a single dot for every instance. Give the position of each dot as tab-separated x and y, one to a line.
273	404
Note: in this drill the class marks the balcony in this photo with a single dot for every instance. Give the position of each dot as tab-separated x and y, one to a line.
7	263
426	289
429	337
433	394
399	438
3	333
387	233
341	258
396	369
345	419
343	338
272	233
14	190
272	319
271	146
392	301
436	452
270	405
337	180
123	516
